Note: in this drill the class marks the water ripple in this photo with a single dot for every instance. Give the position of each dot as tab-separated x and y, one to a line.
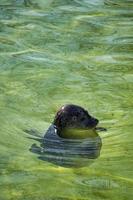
67	152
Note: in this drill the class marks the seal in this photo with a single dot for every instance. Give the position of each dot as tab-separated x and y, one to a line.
71	140
73	117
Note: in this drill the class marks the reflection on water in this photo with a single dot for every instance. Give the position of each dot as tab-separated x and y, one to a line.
68	152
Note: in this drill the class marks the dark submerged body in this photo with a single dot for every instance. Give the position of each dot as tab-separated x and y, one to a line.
70	152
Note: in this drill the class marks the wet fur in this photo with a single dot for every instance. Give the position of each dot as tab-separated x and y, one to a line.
73	116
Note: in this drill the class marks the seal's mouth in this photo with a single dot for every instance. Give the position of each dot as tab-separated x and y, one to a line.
93	125
100	129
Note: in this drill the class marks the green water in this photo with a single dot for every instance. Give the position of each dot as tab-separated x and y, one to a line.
54	52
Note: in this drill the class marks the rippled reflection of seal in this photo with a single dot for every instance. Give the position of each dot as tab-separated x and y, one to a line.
71	140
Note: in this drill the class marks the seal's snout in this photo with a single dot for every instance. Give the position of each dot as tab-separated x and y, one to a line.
93	122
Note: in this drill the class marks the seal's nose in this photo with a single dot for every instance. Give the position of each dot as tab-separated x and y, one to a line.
94	121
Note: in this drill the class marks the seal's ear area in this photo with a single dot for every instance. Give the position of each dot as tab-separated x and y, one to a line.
60	120
56	121
63	121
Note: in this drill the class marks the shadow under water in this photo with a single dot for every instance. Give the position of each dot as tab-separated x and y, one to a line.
76	151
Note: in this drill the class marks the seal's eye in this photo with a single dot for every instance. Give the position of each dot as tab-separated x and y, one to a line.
74	118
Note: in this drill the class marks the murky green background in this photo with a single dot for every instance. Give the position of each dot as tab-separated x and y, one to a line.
54	52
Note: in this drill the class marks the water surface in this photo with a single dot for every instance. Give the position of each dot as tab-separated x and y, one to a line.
55	52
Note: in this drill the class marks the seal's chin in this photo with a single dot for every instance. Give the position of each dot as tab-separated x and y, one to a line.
77	133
